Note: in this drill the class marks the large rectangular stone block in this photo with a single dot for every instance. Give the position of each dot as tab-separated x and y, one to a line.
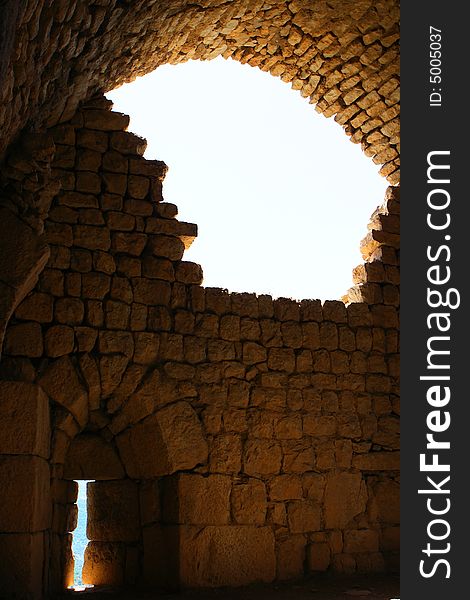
196	500
24	419
25	494
226	556
21	565
113	511
191	556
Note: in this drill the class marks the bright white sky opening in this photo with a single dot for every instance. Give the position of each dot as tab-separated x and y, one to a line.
79	539
281	196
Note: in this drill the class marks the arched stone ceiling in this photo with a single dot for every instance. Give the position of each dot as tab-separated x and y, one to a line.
341	54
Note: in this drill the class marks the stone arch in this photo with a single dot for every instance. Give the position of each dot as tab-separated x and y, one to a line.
343	55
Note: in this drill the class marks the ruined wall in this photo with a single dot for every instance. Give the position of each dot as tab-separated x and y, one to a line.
233	437
342	54
243	438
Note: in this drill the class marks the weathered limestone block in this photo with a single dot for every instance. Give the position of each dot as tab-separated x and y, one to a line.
21	565
226	556
377	461
91	457
113	511
59	340
285	487
24	339
169	441
128	143
291	557
104	564
249	503
36	307
105	120
166	246
23	255
361	540
303	516
262	457
192	499
318	556
149	498
61	383
25	485
345	497
24	419
151	292
385	501
226	454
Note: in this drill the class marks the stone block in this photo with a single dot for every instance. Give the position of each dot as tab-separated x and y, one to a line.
291	558
151	292
191	499
91	457
169	441
149	497
104	563
61	383
166	247
113	511
36	307
249	504
345	498
24	419
137	186
91	237
105	120
377	461
226	556
21	565
318	556
361	540
129	243
225	454
303	516
262	457
386	499
285	487
69	311
24	339
289	428
25	485
128	143
59	340
23	254
95	285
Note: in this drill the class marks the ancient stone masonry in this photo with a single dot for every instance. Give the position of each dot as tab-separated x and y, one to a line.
342	54
232	437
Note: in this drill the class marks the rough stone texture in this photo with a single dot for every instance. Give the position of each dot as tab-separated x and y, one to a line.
104	564
197	500
24	481
21	567
256	438
113	511
90	457
345	498
343	57
24	419
226	555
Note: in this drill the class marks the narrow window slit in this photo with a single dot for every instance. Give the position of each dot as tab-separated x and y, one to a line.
79	538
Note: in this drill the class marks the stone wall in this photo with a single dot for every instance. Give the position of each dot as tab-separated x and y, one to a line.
342	54
233	437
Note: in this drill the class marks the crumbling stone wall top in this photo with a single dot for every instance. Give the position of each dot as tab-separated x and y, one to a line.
342	55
